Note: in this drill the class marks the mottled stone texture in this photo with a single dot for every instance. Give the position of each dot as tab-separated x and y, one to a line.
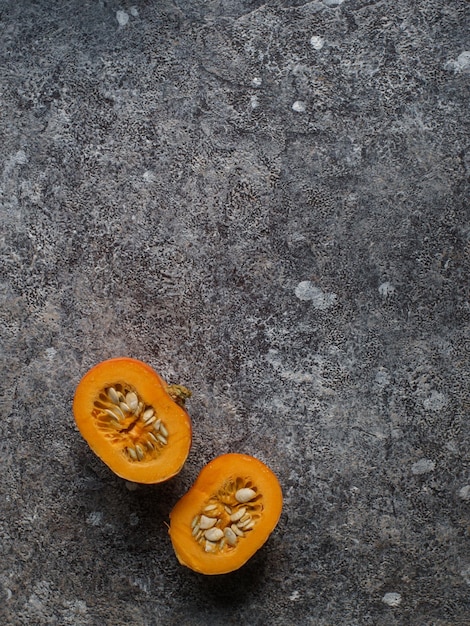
267	202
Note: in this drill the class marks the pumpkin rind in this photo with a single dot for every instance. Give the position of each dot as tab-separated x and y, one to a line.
104	435
225	474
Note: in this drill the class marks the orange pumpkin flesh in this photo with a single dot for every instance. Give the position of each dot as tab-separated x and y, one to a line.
124	411
227	515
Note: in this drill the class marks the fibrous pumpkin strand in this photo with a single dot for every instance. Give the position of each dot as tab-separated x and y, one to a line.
227	516
124	417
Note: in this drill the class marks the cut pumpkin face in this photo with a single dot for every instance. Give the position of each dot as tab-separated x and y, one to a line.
227	515
133	420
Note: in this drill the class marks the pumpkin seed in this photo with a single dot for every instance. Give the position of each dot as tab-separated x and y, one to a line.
244	524
230	536
147	414
238	514
112	415
236	530
245	495
210	546
207	522
210	507
132	400
153	437
112	395
214	534
132	453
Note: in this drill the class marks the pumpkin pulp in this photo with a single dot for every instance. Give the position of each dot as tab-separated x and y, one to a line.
227	515
127	415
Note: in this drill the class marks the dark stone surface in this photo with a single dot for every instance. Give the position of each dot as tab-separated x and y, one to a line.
280	223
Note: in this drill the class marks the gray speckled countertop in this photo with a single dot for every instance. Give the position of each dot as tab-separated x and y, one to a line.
269	203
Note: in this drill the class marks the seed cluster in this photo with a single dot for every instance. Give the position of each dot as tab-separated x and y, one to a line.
127	421
227	516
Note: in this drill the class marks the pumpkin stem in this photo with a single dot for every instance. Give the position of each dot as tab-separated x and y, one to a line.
178	393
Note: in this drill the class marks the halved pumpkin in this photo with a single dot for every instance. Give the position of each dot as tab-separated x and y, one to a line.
133	420
227	515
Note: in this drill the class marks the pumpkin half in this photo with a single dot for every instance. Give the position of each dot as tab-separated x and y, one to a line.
227	515
133	420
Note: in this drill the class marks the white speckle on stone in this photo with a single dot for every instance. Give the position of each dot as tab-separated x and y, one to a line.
317	42
134	11
386	289
463	61
20	157
295	595
464	493
436	401
382	377
297	377
299	106
141	583
392	598
50	353
36	603
122	18
149	177
333	3
254	102
95	518
256	82
423	466
452	446
306	291
465	573
76	608
461	64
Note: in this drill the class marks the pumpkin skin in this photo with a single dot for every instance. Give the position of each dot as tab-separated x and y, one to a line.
214	496
128	441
